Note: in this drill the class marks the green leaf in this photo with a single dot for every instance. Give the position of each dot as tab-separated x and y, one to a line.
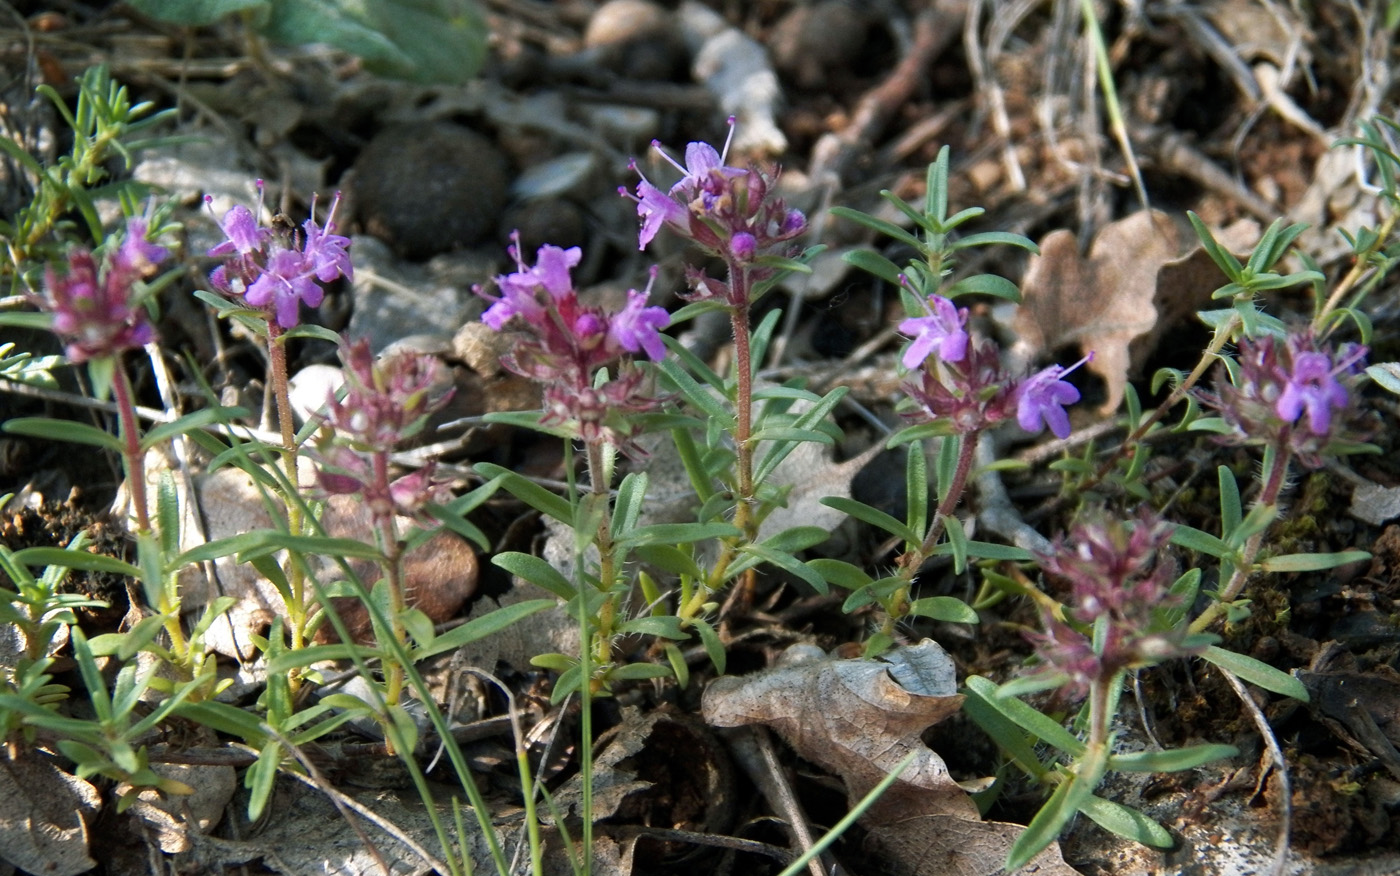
1257	672
986	284
1040	725
889	229
678	533
714	648
1126	822
840	573
52	556
639	672
874	516
1171	761
1045	826
944	608
788	563
627	507
189	423
663	625
527	491
989	238
1387	375
873	263
798	538
1202	542
486	625
669	558
63	430
260	542
536	571
1008	736
1312	562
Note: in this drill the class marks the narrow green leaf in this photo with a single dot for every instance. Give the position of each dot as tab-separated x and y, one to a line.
678	533
1041	726
639	672
873	263
1171	761
944	608
1044	827
874	516
527	491
1007	735
63	430
669	558
714	648
52	556
1203	542
1257	672
788	563
536	571
1312	562
840	573
1126	822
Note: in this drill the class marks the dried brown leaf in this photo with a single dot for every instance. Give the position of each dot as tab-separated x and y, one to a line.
854	719
43	811
1137	281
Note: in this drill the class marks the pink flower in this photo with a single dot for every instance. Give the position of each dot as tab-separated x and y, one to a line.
657	209
940	332
637	327
1042	397
95	313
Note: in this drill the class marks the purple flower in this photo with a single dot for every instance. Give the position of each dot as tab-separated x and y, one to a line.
657	209
278	271
325	250
137	256
1042	397
940	332
637	327
1313	386
287	280
244	234
701	160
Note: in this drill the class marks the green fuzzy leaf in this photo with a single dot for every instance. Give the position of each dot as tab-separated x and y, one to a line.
678	533
669	558
1008	736
1257	672
1045	826
889	229
788	563
486	625
665	626
1387	375
799	538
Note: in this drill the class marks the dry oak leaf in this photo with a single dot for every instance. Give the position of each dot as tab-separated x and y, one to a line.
43	816
859	719
1138	280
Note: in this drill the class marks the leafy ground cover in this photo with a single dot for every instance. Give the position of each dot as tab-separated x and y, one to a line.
946	438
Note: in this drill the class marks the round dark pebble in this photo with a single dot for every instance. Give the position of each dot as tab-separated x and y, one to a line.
547	220
429	188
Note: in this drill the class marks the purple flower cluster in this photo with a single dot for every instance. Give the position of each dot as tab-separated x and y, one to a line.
95	311
731	213
1118	579
565	343
278	269
384	401
1293	395
961	382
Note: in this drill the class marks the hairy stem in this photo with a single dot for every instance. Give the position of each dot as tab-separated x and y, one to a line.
131	446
